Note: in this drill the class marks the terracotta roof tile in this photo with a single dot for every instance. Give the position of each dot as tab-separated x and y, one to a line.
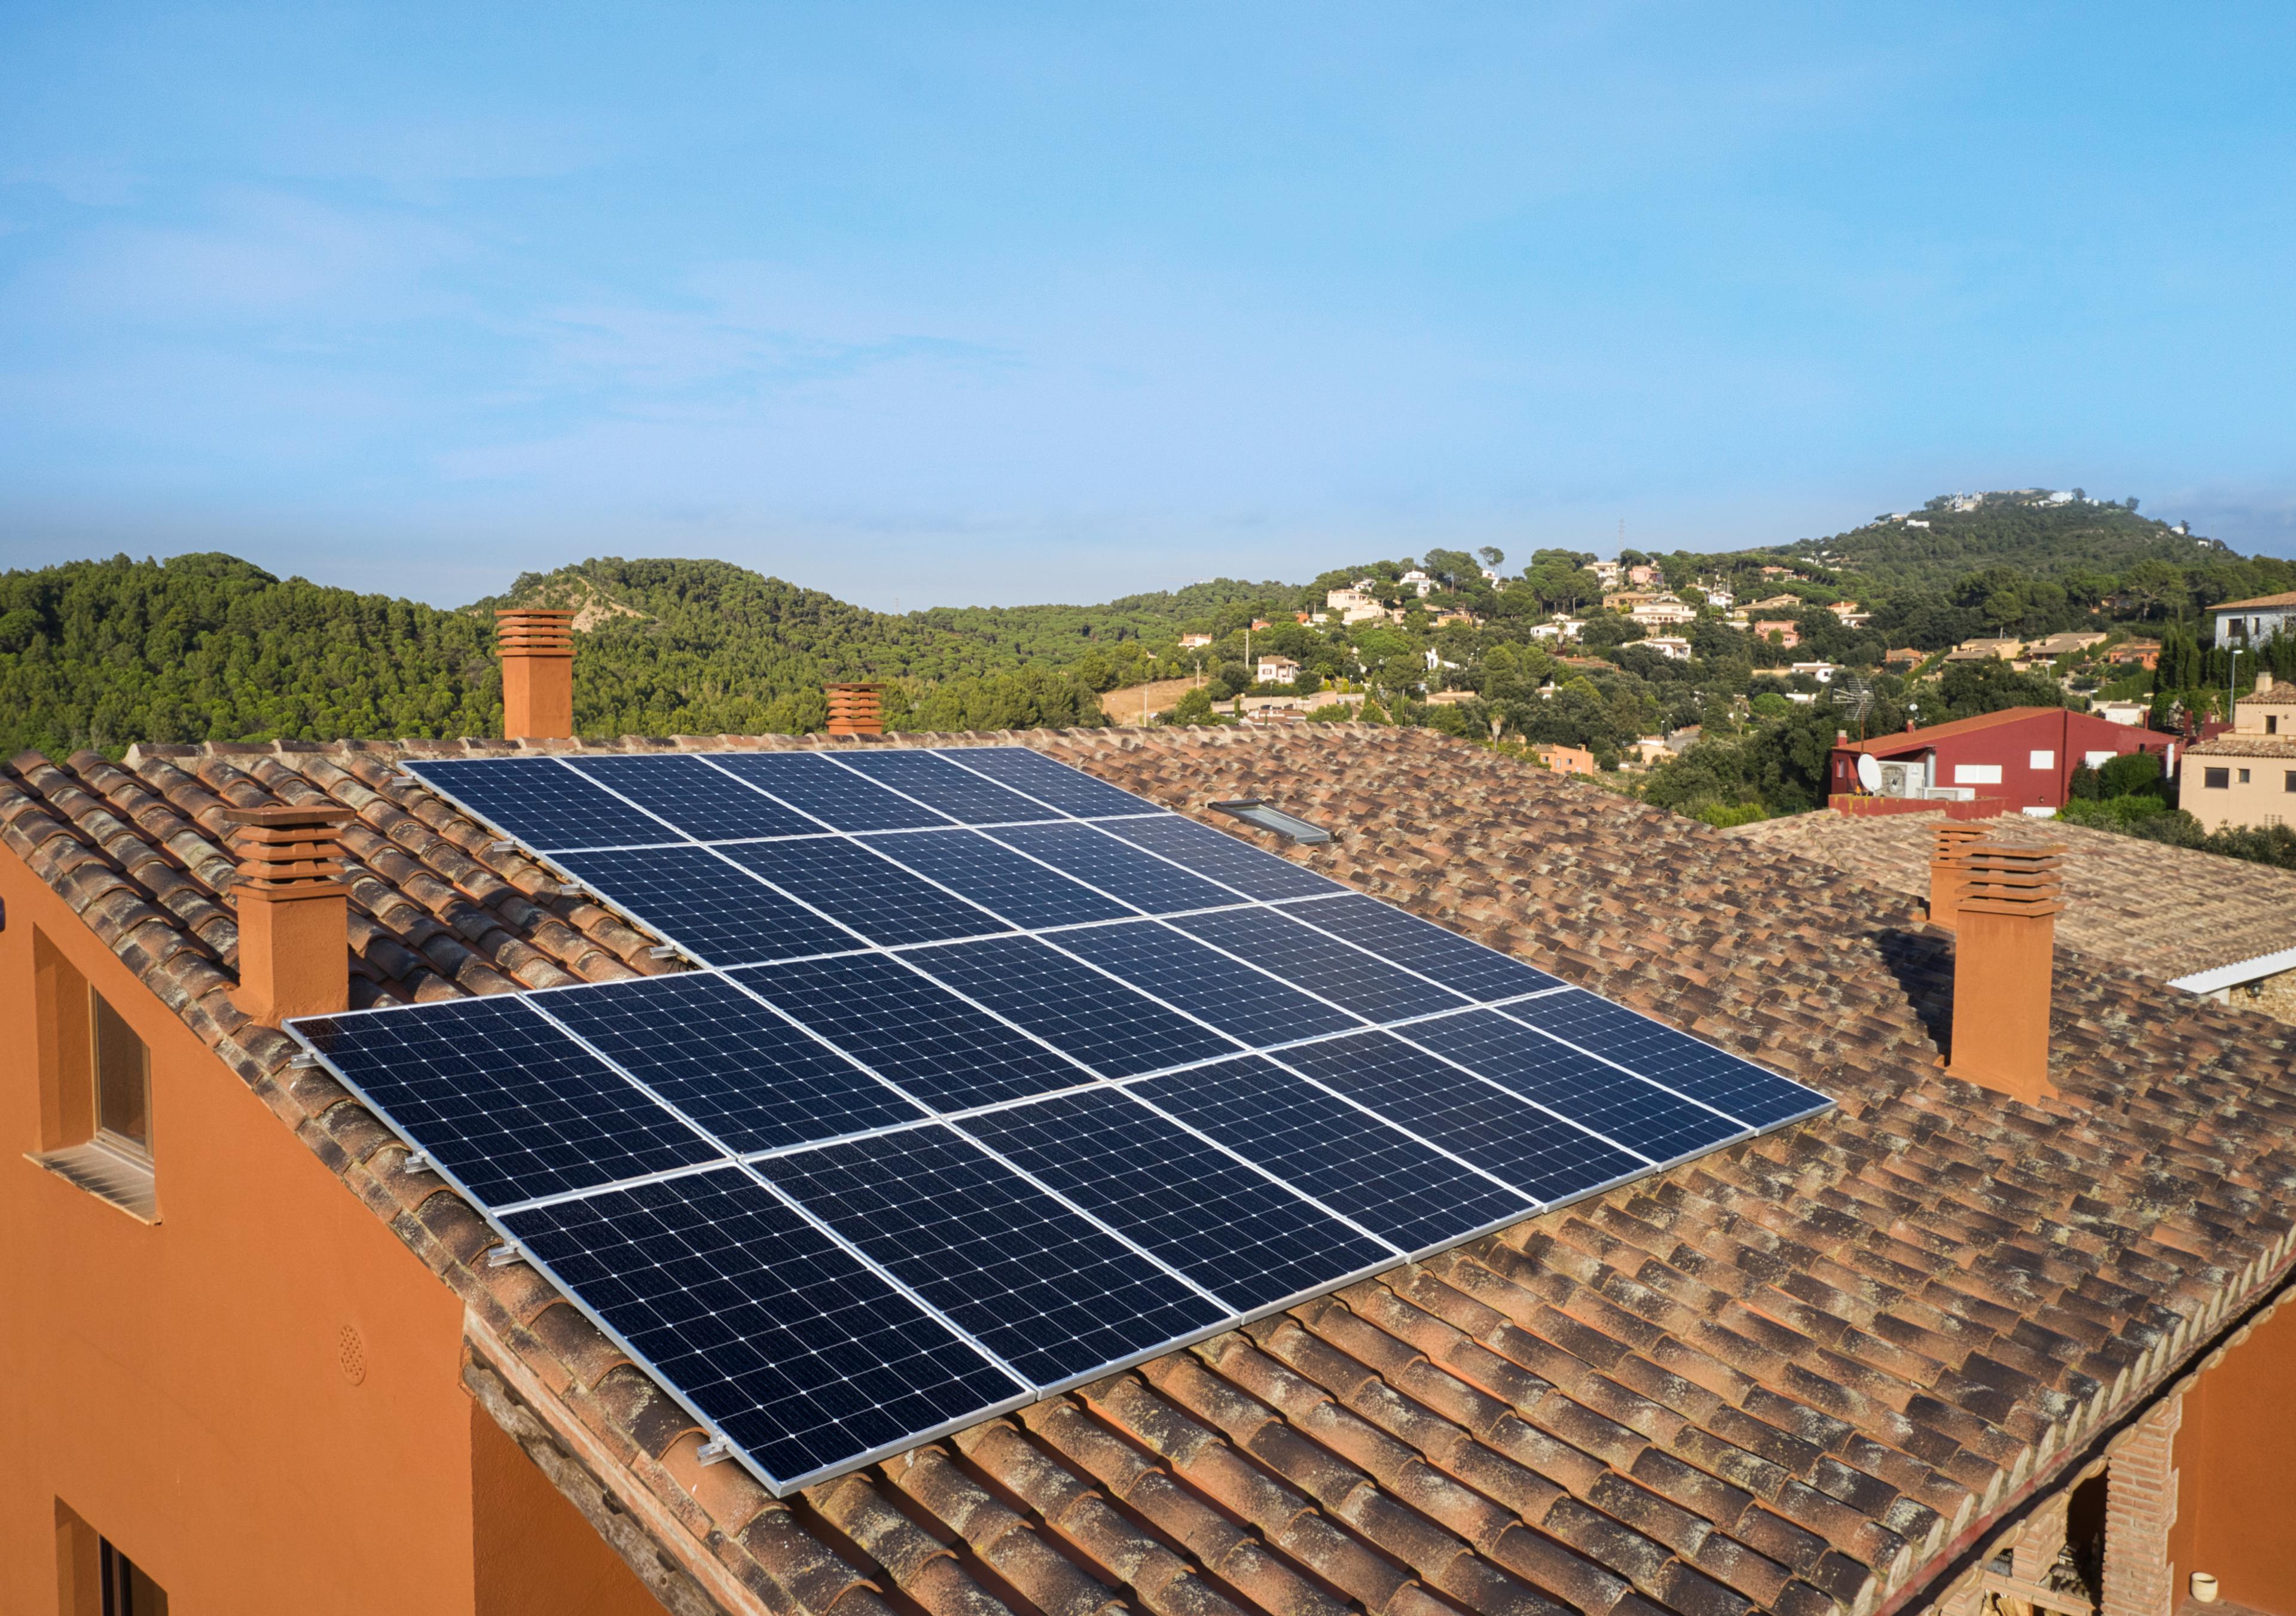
1779	1377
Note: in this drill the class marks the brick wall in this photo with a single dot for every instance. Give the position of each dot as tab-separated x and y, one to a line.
2140	1506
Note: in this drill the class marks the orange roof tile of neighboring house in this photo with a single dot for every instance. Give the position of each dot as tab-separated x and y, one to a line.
2285	598
1806	1374
2231	744
2168	912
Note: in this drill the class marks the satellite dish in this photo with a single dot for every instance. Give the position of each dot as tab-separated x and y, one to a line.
1869	772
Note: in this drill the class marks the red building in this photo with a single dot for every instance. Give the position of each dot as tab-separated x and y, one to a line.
2022	756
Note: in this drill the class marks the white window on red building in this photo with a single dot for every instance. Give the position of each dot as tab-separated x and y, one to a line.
2045	759
1977	773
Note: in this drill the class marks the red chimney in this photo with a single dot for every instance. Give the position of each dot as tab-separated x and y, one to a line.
538	659
1948	870
294	945
2003	965
856	710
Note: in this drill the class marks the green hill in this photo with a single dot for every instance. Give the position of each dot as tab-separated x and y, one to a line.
2018	529
105	654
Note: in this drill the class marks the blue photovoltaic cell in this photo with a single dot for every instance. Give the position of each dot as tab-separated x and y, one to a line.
1323	966
1116	1030
501	1099
786	1341
1117	869
852	885
1390	1182
1680	1061
1041	1287
740	1070
1070	790
722	915
1481	973
960	793
1181	971
1636	1115
701	801
541	803
918	1034
1546	1159
829	791
1251	1242
1224	858
996	878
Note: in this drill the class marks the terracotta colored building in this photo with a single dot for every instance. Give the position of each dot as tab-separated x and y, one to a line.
2022	756
1947	1344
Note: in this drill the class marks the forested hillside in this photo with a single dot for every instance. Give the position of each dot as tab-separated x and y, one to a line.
1932	547
104	654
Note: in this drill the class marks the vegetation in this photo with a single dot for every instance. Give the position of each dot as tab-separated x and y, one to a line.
104	654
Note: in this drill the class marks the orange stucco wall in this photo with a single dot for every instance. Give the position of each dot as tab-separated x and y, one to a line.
180	1386
2236	1486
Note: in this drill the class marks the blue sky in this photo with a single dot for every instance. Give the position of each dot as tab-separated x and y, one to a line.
1001	303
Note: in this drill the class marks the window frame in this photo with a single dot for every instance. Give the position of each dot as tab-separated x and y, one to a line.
2215	779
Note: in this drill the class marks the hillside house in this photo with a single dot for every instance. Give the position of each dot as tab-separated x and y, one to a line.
1276	670
1642	575
1850	614
1565	759
1627	600
2070	643
1560	629
2123	712
1717	596
1986	651
1904	656
1673	647
2136	653
1823	672
1664	611
2247	775
1785	631
2022	757
1419	583
1777	603
1195	642
2251	622
1895	1357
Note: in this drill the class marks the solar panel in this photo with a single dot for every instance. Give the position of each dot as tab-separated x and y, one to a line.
856	888
996	878
1047	1289
1070	790
1224	858
697	799
777	1336
1644	1117
1467	967
543	803
959	792
1116	1031
751	1076
1251	1241
1680	1061
1122	871
828	791
714	910
1542	1155
1391	1182
506	1103
1349	976
1184	973
995	1080
913	1032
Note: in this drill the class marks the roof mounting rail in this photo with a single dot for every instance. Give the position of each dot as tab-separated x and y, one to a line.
505	1254
717	1450
1254	812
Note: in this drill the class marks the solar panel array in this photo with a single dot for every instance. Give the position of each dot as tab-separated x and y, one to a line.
991	1079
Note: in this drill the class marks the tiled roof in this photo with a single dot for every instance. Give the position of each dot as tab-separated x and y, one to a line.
2286	598
2165	911
2231	744
1803	1373
2280	692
